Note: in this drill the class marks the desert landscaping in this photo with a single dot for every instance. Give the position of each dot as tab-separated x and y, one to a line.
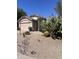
39	29
36	46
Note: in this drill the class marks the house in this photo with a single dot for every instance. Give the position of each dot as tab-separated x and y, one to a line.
25	23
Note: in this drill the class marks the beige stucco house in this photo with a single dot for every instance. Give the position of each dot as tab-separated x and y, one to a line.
25	22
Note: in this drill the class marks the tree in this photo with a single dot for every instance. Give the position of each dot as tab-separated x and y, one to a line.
33	15
58	8
20	13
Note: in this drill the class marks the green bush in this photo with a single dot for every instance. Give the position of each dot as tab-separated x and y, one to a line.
55	35
54	26
43	30
46	34
58	29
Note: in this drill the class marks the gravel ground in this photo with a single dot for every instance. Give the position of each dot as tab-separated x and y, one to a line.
38	46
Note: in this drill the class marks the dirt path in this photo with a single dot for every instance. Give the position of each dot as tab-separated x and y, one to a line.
40	47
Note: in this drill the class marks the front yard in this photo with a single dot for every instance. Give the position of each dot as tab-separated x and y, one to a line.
37	46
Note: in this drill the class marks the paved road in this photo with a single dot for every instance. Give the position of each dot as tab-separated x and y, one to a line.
40	47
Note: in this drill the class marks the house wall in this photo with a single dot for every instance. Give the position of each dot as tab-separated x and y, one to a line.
24	25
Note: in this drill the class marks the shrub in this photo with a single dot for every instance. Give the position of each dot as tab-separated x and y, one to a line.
27	33
58	28
46	34
30	28
43	30
58	35
53	37
54	26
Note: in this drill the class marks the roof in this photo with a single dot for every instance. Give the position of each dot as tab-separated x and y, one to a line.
24	17
29	18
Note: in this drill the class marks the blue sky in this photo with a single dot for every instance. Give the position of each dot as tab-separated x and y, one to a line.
43	8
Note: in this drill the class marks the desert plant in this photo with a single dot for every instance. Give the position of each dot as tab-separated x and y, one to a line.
57	28
46	34
43	30
27	33
54	26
